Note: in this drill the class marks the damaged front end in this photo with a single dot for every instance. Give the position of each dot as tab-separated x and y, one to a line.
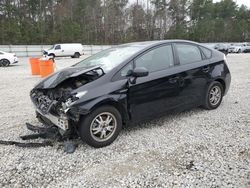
54	96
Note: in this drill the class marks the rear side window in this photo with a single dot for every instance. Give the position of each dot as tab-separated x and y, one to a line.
206	52
58	47
188	53
157	59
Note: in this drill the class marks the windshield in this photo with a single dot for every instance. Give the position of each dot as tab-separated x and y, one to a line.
110	58
51	48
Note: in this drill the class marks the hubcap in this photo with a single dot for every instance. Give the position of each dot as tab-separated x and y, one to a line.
215	95
103	126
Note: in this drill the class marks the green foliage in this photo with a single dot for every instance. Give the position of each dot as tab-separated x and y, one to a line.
118	21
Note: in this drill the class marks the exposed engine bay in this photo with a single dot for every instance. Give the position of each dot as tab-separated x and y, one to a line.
55	101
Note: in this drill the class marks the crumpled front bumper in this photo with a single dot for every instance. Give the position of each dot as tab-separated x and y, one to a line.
61	122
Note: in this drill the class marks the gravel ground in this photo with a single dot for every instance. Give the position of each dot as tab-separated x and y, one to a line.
196	148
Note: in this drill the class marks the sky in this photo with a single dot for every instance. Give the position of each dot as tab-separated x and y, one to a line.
240	2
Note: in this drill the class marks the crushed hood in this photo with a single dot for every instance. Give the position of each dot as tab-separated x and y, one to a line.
60	76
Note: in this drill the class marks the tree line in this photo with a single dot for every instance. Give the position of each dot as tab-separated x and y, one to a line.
120	21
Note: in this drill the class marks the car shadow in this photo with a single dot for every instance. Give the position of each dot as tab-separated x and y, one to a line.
15	65
161	120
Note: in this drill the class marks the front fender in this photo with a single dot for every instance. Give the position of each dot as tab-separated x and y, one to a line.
119	101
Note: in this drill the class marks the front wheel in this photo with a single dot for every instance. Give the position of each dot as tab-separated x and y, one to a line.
101	127
214	96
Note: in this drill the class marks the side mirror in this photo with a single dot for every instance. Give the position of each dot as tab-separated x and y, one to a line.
138	72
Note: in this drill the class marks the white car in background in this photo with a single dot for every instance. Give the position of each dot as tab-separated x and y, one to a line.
239	48
7	58
74	50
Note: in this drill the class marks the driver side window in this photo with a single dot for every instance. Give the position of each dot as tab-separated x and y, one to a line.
58	47
157	59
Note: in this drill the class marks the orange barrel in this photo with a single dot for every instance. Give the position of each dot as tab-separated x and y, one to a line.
34	64
46	67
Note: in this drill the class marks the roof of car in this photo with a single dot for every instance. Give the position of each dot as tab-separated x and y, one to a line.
155	42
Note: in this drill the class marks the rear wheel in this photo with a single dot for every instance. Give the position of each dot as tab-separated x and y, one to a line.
214	96
101	127
4	62
76	55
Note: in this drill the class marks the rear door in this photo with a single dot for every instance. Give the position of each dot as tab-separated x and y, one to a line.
194	68
158	92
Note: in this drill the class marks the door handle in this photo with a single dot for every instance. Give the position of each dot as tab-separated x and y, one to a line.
206	69
173	80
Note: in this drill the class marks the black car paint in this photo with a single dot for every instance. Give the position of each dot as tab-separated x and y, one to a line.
175	89
55	79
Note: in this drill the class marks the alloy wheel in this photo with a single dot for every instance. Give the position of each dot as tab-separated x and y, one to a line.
215	95
103	126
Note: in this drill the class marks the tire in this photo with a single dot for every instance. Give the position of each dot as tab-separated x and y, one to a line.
76	55
239	51
209	103
92	131
4	63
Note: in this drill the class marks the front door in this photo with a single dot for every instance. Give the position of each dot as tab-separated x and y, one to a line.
59	50
158	92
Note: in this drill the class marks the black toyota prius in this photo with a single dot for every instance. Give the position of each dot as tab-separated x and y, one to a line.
128	84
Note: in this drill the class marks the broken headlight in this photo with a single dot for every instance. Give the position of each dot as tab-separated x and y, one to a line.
70	101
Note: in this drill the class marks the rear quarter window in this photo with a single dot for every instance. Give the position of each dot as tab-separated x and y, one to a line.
188	53
206	52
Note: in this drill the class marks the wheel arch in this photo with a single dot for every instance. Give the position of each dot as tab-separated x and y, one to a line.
222	82
107	102
52	54
114	104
